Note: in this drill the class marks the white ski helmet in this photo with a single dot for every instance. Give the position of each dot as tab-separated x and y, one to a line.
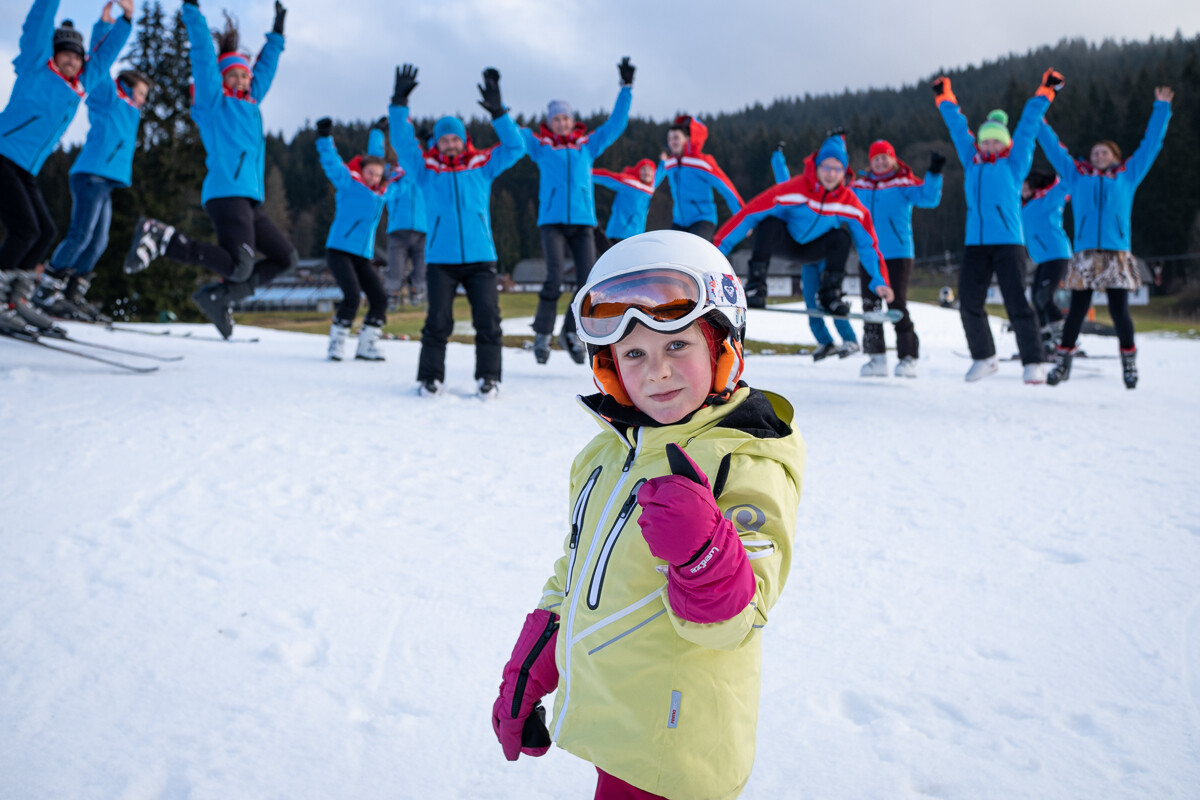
666	280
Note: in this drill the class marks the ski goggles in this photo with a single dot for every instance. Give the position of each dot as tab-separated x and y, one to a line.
664	299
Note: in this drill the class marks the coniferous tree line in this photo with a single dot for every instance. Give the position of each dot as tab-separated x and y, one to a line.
1109	94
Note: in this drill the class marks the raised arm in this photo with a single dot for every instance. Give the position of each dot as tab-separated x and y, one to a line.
1156	130
510	149
37	36
337	172
1056	152
106	49
779	167
400	127
614	126
928	193
206	77
956	123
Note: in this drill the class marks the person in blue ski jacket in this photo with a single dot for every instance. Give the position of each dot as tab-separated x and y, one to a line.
995	163
808	219
693	176
1102	190
565	151
890	191
105	163
1043	197
810	284
227	92
456	179
406	222
54	73
350	246
633	189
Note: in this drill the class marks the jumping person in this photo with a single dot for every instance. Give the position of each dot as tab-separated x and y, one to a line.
406	223
652	634
1102	190
54	73
633	189
994	164
693	176
456	180
351	244
1043	197
890	191
228	91
104	164
564	151
808	219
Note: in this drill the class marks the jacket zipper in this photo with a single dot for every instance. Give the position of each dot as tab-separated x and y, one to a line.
577	514
462	247
24	124
610	543
1100	217
979	200
116	150
568	152
238	171
527	664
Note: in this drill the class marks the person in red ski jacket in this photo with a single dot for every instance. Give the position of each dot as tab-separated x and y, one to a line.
693	176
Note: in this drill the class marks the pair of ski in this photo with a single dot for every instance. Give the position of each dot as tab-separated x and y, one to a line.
39	339
195	337
892	315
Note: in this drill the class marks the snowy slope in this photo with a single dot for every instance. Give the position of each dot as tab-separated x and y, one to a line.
258	574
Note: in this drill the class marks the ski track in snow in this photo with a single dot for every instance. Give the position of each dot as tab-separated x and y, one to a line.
258	574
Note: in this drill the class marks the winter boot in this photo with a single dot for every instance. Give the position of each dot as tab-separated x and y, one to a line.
847	349
368	337
981	369
416	296
569	341
430	387
216	302
150	240
756	285
338	332
1063	357
488	389
541	347
1035	374
824	351
1129	368
876	367
907	368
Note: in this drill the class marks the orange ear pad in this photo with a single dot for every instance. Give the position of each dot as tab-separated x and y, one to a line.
728	367
608	378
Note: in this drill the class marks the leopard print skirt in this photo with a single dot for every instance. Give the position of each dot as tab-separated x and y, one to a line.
1103	269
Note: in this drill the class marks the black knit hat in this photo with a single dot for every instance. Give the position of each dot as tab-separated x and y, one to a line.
67	38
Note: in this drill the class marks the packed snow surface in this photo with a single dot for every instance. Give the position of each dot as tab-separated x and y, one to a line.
259	574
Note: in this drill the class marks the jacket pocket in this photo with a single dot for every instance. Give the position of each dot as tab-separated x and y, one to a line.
550	199
895	230
241	160
1039	241
577	515
486	231
433	236
1000	213
346	235
610	542
114	152
23	125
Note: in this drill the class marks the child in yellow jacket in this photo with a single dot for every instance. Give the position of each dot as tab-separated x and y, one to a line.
654	641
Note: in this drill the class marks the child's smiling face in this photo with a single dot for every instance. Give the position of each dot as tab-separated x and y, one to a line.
667	375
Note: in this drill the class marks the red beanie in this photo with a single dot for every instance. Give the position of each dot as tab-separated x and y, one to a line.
881	147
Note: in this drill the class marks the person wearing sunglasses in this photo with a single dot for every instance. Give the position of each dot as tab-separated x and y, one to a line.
681	600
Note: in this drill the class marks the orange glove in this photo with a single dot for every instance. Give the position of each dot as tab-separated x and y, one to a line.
942	91
1052	81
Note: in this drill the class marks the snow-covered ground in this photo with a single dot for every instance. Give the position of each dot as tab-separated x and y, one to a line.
258	574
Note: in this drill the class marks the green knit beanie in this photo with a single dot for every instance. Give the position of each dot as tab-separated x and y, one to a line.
996	128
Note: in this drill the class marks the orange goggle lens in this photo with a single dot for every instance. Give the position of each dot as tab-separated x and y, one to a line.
663	295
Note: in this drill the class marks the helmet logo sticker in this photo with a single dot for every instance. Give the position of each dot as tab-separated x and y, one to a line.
723	290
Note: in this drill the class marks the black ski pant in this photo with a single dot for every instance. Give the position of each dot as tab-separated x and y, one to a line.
1118	308
771	237
406	261
603	243
28	227
1045	280
907	343
238	221
704	229
356	275
555	241
1007	262
442	281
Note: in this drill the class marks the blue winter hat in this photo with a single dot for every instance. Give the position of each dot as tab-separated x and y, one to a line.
835	147
449	125
557	107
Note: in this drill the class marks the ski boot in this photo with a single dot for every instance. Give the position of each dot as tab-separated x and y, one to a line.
1063	356
541	347
150	240
981	369
368	337
429	387
847	349
1129	368
1034	374
49	295
1051	338
829	295
876	366
907	368
569	341
20	289
338	332
488	389
824	351
75	295
756	285
216	302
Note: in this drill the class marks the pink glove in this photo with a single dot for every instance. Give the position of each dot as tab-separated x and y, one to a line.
530	674
710	579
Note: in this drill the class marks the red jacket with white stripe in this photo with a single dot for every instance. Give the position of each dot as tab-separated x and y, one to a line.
693	175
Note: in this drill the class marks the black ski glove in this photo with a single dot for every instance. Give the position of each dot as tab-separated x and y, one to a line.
406	81
324	127
837	131
382	124
780	146
936	162
280	13
937	86
627	71
491	93
1053	79
191	3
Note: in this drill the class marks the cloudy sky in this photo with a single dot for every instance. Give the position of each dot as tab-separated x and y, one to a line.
702	56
